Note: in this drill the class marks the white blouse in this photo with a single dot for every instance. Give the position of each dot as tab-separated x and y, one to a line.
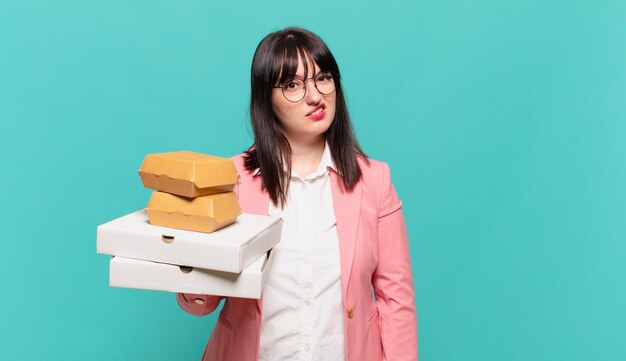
302	316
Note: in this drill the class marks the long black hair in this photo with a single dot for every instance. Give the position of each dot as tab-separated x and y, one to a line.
277	56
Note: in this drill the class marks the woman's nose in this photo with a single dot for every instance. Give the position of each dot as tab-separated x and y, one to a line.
313	96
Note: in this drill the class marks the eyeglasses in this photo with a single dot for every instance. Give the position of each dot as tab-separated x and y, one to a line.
294	90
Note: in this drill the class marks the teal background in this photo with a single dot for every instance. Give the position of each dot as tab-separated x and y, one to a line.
503	123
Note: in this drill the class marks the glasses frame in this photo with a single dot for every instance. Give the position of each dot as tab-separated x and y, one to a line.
282	87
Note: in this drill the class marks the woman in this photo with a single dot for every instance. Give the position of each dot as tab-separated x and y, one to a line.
344	233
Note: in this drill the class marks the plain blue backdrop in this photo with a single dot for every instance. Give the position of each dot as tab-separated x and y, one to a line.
503	122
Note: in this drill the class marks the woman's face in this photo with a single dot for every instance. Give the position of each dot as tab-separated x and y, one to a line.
308	119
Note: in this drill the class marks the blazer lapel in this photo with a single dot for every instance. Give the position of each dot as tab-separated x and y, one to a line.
347	207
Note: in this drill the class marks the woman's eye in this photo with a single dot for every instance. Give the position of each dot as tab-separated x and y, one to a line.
324	77
292	85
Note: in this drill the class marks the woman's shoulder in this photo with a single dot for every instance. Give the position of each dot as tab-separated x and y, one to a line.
371	167
375	174
239	161
370	164
240	165
376	179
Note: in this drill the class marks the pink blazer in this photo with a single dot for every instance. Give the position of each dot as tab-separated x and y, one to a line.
374	254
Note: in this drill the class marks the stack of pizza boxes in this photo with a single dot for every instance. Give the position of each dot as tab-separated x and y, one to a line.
192	237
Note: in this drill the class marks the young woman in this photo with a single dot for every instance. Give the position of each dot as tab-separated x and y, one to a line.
344	233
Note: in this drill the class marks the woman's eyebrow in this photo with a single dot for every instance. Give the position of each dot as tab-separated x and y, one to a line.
296	77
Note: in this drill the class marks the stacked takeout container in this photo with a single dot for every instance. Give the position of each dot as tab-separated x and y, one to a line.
192	237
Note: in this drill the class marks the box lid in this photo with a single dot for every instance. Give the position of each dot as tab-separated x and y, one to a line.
132	273
229	249
200	170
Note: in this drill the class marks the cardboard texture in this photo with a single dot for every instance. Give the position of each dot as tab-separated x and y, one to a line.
230	249
188	174
201	214
131	273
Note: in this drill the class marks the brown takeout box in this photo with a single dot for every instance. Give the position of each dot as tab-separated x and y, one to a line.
188	174
200	214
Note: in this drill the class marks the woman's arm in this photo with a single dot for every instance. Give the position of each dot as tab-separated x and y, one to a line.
393	278
198	305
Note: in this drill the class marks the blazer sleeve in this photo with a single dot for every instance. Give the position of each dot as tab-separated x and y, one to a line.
198	305
393	278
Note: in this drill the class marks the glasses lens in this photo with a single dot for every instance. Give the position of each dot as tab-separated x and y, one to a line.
325	83
293	90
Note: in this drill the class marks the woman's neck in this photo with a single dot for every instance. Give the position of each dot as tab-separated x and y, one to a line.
306	156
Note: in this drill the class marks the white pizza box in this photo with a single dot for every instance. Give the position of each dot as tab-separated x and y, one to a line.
230	249
147	275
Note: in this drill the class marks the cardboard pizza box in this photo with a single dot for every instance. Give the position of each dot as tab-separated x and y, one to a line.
132	273
230	249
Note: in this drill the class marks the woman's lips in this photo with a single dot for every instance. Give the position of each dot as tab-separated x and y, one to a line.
318	113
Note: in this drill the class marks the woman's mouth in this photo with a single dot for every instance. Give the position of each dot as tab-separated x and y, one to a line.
317	113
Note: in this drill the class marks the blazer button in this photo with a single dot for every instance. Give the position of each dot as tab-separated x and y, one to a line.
350	312
199	301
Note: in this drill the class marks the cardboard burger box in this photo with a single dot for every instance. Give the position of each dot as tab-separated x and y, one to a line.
200	214
188	174
230	249
132	273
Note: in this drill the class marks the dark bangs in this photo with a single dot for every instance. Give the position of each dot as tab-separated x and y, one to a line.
292	47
